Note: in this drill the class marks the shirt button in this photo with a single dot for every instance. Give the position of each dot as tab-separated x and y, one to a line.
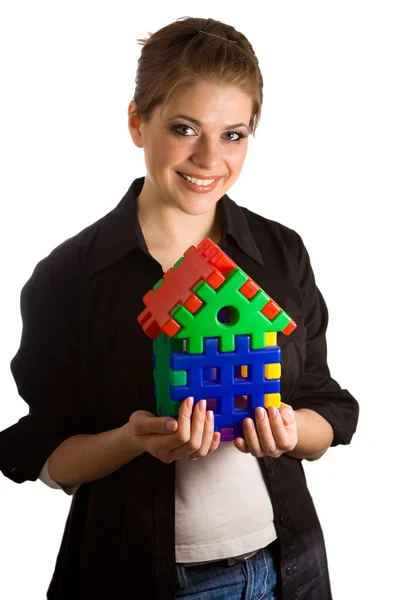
282	520
271	468
289	571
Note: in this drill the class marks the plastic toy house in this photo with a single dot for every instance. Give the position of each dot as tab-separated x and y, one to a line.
214	337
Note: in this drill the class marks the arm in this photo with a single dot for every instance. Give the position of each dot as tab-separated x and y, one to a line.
82	458
47	480
314	435
320	414
318	395
47	373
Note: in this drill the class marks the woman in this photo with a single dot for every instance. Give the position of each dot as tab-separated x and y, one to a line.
145	522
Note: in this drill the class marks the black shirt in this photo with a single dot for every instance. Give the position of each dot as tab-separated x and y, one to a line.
84	366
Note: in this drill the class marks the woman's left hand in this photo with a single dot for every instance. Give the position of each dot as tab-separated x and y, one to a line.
273	433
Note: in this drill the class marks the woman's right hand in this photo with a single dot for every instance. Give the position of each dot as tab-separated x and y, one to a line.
194	437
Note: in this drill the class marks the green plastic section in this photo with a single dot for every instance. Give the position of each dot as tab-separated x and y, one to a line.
178	377
163	375
157	285
178	262
204	323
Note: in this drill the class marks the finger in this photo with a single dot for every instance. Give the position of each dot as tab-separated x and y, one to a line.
192	439
215	442
251	438
144	423
288	416
281	433
184	420
241	445
208	435
266	436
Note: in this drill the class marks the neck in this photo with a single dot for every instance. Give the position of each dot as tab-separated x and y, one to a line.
167	226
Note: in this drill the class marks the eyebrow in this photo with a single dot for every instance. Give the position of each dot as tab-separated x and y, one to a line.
197	122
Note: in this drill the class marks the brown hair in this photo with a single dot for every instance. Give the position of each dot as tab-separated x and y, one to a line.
190	50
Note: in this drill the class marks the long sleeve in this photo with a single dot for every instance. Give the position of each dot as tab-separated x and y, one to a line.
318	390
47	373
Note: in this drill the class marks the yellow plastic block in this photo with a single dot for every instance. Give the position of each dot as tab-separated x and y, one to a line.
270	338
244	371
272	400
272	371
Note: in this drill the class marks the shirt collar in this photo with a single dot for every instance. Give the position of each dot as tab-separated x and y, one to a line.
119	232
235	225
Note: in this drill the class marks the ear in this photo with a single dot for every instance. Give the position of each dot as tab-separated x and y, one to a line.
134	124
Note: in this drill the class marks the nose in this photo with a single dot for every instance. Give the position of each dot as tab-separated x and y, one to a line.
207	154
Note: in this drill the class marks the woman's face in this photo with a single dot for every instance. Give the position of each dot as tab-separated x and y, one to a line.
201	132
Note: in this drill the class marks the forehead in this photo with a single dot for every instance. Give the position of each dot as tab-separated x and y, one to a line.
209	101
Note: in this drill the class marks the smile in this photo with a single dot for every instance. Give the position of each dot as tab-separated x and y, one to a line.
199	186
197	181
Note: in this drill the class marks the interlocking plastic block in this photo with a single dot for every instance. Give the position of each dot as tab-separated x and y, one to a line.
271	338
176	287
206	263
216	377
273	371
216	257
163	377
249	318
224	264
272	400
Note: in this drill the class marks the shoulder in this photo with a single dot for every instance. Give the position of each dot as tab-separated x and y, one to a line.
70	259
75	259
66	271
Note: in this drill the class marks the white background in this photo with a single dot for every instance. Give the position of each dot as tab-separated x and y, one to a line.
325	162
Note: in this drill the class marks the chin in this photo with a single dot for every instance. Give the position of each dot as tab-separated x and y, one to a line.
197	208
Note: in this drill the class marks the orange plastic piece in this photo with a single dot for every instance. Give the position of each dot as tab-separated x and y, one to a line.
171	327
289	327
148	324
193	303
271	309
215	279
249	289
216	257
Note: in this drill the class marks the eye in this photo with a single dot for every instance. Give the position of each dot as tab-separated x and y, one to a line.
183	130
239	136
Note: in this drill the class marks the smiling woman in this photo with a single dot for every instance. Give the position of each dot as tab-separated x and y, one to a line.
146	522
200	153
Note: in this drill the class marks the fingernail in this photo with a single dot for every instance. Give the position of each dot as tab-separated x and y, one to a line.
209	415
260	413
170	425
202	405
272	411
189	403
248	423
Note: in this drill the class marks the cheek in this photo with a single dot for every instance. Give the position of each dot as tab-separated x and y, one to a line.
235	159
169	153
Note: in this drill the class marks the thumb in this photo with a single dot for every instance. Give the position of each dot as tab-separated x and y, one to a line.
287	414
145	423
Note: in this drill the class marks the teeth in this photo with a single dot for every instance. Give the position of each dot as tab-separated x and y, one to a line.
197	181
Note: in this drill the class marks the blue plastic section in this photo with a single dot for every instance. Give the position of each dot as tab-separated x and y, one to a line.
227	386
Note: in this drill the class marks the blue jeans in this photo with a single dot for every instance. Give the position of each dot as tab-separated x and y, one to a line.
252	579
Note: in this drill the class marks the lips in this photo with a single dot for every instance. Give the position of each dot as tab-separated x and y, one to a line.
198	189
199	175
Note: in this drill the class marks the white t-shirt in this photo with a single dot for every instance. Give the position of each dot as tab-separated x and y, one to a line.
222	506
